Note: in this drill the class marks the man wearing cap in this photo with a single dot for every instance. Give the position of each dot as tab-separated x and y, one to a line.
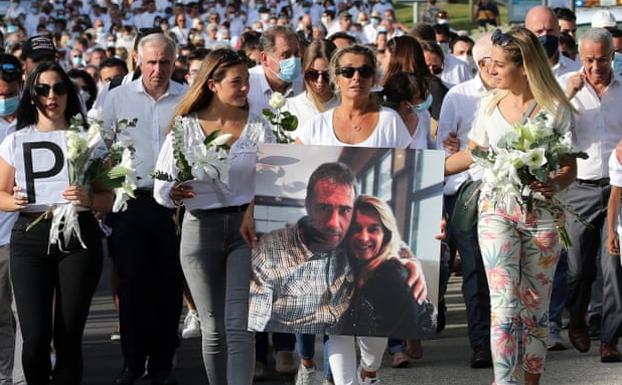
37	49
596	93
11	371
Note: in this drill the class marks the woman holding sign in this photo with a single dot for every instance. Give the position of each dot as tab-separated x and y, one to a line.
214	258
53	288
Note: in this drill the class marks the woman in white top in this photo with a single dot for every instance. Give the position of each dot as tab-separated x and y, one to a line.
358	121
318	95
520	248
53	288
214	258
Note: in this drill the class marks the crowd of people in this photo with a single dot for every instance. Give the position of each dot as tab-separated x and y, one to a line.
353	75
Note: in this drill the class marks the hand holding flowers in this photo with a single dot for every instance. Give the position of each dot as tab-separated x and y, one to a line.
282	122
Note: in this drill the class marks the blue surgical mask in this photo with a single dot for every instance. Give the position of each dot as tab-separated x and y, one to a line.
423	106
8	106
374	21
289	69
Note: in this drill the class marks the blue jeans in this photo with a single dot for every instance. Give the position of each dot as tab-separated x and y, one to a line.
305	346
217	266
560	289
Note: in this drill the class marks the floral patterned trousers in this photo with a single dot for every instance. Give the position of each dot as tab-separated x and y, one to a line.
520	251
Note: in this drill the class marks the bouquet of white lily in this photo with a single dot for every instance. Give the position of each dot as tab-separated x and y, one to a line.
209	161
529	153
282	121
88	161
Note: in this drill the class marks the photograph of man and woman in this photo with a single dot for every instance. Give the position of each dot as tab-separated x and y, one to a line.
347	242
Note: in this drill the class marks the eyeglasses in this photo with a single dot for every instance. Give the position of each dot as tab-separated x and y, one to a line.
501	38
43	89
314	75
10	71
365	71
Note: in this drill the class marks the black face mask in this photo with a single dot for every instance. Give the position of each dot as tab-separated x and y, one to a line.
550	44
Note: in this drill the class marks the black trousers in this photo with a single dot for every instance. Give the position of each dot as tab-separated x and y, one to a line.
145	247
58	285
590	202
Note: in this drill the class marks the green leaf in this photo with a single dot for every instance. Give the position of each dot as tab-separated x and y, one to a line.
267	113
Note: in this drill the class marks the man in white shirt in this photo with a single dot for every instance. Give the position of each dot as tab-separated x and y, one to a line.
382	6
147	18
144	241
33	19
279	70
596	93
454	125
541	20
11	371
180	29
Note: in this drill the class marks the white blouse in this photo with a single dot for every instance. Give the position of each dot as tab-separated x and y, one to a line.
303	108
390	132
240	187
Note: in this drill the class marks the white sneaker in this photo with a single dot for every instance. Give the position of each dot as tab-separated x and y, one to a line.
555	342
305	376
368	380
192	325
284	362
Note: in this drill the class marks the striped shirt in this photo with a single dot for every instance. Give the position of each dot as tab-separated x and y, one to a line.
296	290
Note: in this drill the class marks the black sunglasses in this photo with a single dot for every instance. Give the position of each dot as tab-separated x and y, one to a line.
365	71
501	38
315	75
42	89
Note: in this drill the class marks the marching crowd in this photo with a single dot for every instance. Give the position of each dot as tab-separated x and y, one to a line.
353	76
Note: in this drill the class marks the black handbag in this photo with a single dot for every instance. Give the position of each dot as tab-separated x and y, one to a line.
464	215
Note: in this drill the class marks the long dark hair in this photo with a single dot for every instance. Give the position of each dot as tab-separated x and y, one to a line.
90	85
27	112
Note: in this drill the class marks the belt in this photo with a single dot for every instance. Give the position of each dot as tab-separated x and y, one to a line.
223	210
595	182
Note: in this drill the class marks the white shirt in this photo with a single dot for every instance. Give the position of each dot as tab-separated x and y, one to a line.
380	8
146	20
421	139
180	34
371	33
615	173
240	187
598	126
457	115
390	132
303	108
6	219
132	101
260	92
565	65
455	71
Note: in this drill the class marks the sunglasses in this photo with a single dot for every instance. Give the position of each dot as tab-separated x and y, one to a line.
501	38
365	71
314	75
42	89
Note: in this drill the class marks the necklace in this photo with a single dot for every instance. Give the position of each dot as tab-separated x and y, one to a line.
358	126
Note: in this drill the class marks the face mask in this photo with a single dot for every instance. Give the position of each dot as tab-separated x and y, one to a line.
9	105
442	21
265	17
289	69
111	43
382	30
468	59
306	9
11	29
77	61
34	11
423	106
550	44
324	20
84	95
617	63
374	21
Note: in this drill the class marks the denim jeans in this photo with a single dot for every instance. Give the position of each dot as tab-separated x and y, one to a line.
10	334
305	346
217	266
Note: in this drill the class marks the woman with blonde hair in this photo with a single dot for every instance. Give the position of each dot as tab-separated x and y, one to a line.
214	258
520	247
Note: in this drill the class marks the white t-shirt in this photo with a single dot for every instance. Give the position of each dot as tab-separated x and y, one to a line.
390	132
615	176
303	108
6	219
240	188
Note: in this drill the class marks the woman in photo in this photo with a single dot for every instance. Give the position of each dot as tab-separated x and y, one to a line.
520	247
382	303
214	258
51	303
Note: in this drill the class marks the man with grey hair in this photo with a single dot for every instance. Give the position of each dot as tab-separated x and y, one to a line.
279	70
596	93
144	243
456	119
542	21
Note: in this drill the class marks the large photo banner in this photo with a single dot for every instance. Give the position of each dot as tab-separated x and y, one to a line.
41	167
347	241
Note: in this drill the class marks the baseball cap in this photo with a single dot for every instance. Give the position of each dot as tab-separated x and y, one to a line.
603	19
38	48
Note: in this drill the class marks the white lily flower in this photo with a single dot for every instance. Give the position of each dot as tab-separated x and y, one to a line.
536	158
221	139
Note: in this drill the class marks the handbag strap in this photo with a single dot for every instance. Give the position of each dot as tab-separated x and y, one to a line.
527	114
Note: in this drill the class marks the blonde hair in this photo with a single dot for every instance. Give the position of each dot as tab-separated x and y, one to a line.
525	50
214	67
318	49
392	241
